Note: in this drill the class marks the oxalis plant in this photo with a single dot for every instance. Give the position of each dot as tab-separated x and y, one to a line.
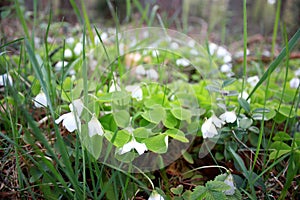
141	110
136	120
136	101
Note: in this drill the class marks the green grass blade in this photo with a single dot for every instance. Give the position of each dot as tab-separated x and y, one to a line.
87	22
245	44
275	27
62	147
21	15
292	43
99	36
76	10
11	42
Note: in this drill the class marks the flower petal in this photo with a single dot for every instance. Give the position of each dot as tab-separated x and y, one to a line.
78	105
182	62
228	116
245	95
114	87
155	196
294	83
78	48
140	70
217	122
253	80
208	129
40	100
95	127
4	79
72	122
136	91
229	181
57	121
152	74
126	148
59	65
68	53
140	147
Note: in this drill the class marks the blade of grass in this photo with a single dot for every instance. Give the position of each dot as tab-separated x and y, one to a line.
142	10
185	15
293	164
85	101
275	29
245	45
11	42
128	10
21	15
39	166
292	43
101	41
34	22
153	14
76	10
87	22
49	77
65	157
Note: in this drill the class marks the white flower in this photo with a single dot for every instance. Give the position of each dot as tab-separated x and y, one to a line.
139	147
76	106
4	79
103	36
78	49
212	48
70	40
220	52
266	53
229	181
140	70
71	120
174	45
227	58
152	74
95	127
68	53
244	95
136	91
40	100
271	2
155	53
217	122
37	42
208	129
253	80
297	72
240	54
182	62
225	68
228	116
167	141
194	52
59	65
191	43
294	83
114	87
155	196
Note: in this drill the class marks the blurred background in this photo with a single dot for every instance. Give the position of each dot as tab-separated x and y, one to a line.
220	20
